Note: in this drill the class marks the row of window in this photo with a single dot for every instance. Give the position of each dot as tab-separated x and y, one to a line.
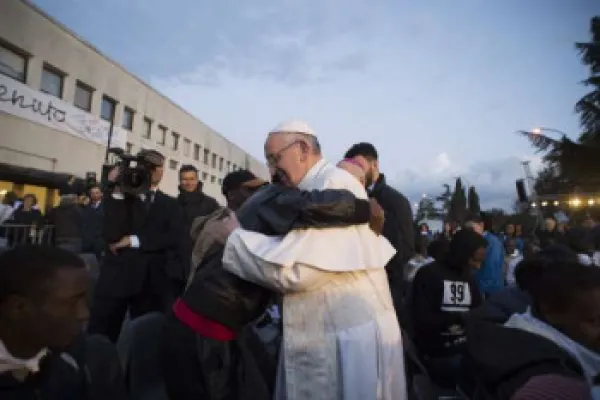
14	62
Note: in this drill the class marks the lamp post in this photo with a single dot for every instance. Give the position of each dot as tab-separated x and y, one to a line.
527	168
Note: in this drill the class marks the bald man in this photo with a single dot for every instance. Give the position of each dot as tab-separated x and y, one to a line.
355	169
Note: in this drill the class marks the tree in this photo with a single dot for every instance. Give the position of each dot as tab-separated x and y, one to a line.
575	164
445	198
426	210
588	107
473	201
458	203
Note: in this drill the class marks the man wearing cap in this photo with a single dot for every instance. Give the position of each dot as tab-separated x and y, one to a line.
341	335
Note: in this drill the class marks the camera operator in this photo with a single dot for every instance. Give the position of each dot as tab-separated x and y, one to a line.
142	227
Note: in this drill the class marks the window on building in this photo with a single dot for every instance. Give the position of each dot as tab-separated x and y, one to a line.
13	63
213	179
220	181
162	135
128	118
187	144
173	164
196	152
107	109
204	176
221	164
206	155
228	166
129	148
175	141
147	128
214	161
83	96
234	167
52	81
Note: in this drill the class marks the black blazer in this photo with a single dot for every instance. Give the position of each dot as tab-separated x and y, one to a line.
398	226
158	230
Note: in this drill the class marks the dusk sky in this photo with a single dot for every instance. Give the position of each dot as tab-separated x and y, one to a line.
437	86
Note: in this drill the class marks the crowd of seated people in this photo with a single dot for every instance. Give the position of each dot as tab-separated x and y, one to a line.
536	337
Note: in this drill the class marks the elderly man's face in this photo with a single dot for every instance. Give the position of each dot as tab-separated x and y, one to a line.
287	158
354	170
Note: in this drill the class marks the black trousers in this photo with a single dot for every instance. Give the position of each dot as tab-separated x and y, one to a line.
196	367
108	313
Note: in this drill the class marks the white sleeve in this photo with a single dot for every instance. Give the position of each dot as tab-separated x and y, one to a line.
135	242
238	260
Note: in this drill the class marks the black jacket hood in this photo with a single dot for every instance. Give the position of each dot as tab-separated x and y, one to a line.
497	353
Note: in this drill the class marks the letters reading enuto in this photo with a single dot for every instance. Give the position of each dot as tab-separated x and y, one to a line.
37	106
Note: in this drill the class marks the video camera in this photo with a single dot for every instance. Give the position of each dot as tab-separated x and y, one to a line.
135	171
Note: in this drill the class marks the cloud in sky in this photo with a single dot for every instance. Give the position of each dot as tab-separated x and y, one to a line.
437	86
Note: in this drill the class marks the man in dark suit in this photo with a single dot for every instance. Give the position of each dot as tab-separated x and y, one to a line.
398	227
141	232
93	215
194	203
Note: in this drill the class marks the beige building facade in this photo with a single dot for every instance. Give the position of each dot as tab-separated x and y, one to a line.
58	96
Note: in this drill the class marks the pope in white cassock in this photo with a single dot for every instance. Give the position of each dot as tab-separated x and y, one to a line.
341	338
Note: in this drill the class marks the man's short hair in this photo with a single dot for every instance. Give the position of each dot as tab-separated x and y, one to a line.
153	157
475	218
235	180
529	271
562	283
188	168
364	149
27	270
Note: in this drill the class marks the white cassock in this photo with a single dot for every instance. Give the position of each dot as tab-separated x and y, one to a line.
341	335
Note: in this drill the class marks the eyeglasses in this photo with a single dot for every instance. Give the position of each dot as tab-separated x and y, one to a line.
273	159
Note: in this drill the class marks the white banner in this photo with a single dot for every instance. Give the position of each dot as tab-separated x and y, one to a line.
24	102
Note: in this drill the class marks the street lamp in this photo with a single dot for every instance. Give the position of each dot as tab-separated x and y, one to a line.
539	140
539	130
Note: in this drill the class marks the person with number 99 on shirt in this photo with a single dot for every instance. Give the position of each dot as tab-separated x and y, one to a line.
443	293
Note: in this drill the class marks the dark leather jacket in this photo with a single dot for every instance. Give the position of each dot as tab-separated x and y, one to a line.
274	210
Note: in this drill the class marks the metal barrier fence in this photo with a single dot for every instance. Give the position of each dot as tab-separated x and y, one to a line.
14	235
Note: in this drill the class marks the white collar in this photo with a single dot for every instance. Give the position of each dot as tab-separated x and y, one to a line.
10	363
311	174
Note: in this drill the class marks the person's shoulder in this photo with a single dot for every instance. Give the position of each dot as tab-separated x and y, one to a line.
395	193
392	194
493	239
428	270
167	197
211	201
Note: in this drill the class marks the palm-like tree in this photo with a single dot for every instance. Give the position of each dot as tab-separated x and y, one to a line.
588	107
576	164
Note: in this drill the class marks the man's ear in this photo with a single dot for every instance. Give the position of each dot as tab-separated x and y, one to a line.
376	163
304	147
